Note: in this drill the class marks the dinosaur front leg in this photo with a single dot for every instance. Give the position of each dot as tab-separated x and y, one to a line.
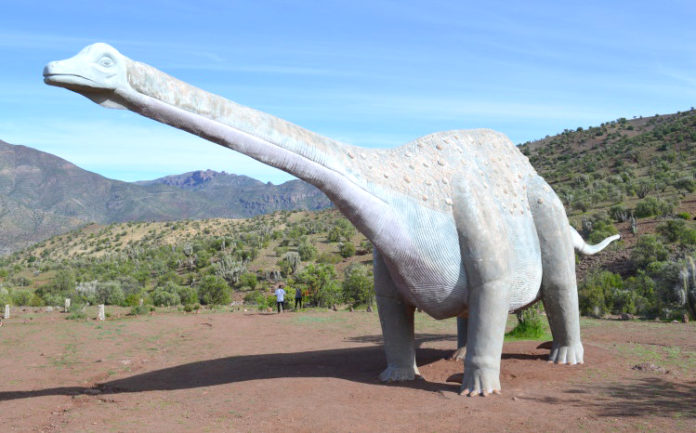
485	249
558	286
396	318
488	311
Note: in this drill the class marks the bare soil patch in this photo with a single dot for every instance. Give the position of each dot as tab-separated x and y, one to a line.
316	372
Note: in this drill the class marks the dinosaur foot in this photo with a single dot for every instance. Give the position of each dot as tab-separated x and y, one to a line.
399	374
570	354
459	354
479	381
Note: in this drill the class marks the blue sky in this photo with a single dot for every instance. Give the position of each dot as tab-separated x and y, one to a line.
374	74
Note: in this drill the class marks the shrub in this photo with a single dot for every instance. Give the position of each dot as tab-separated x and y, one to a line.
213	290
161	297
619	213
248	280
684	215
5	297
110	293
289	263
139	310
358	285
76	312
347	249
21	297
530	325
596	291
672	229
187	295
648	249
652	207
306	251
319	282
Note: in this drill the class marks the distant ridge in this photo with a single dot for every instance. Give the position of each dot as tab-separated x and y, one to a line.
42	195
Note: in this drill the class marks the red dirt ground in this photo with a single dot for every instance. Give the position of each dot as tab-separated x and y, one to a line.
316	372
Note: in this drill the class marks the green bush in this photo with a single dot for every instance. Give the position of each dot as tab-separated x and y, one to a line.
76	312
163	298
672	229
648	249
307	251
319	282
358	285
187	295
21	297
249	280
530	325
347	249
328	258
110	293
213	290
139	310
596	291
5	297
652	206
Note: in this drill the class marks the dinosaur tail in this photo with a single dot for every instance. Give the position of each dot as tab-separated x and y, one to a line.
586	249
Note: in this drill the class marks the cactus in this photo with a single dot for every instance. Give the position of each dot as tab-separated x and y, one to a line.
688	287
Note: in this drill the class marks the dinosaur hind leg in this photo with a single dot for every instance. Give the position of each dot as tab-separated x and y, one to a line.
396	318
462	326
559	290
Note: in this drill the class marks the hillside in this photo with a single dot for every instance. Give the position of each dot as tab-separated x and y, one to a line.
636	177
241	196
42	195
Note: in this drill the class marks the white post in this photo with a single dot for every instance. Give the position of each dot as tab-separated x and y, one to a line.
67	305
7	311
100	314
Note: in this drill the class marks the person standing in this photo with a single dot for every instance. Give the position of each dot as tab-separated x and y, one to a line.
298	297
280	298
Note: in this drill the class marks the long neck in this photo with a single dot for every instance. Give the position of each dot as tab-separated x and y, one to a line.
151	82
316	165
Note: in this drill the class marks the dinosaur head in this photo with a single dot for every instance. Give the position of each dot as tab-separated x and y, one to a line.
95	72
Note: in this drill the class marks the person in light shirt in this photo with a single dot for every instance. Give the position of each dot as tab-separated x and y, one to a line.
280	298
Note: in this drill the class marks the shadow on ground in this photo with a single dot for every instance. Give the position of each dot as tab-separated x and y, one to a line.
649	396
361	364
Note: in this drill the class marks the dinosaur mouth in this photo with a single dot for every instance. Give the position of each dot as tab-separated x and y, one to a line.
70	81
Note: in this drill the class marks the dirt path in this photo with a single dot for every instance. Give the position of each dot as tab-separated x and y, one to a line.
316	372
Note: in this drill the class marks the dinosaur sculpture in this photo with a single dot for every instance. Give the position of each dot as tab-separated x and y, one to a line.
461	223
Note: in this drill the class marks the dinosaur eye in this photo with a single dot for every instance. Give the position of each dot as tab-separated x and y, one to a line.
106	62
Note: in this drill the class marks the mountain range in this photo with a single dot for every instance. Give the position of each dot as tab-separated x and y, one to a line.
42	195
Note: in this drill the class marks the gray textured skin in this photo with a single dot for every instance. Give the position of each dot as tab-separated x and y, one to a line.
461	223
